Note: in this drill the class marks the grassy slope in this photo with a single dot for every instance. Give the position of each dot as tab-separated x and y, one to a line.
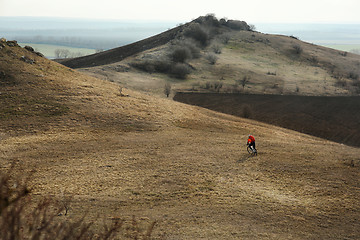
254	55
185	167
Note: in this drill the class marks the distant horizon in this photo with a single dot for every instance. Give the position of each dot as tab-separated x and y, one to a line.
110	33
178	21
256	11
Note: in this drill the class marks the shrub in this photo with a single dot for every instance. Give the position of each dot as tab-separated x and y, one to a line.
225	38
180	54
22	218
298	49
212	58
146	66
212	20
151	66
180	70
353	75
184	49
271	73
209	20
162	66
198	33
218	86
340	81
207	85
216	48
313	60
191	45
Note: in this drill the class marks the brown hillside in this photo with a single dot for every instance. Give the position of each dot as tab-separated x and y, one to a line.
130	154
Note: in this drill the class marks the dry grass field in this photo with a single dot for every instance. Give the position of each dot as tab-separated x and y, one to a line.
128	154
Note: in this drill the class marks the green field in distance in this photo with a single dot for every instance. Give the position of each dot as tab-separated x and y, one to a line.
49	50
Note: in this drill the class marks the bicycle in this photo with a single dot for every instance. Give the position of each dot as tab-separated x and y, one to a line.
252	151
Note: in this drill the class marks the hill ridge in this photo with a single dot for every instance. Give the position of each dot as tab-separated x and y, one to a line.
120	53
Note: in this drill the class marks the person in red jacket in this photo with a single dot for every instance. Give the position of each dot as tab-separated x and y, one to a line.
251	141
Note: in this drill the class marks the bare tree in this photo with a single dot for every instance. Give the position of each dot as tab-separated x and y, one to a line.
57	53
245	80
62	53
225	38
217	86
66	53
252	27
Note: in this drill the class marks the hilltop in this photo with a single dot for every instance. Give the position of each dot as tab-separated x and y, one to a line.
120	153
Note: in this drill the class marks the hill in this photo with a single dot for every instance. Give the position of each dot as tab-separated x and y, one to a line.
200	29
229	54
212	56
123	153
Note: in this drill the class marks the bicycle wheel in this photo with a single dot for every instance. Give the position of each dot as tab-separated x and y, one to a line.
250	151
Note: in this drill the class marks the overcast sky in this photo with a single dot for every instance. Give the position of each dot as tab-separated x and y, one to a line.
251	11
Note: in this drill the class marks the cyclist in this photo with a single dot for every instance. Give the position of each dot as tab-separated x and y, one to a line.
251	142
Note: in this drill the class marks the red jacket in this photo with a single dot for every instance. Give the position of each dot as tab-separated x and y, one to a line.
251	139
